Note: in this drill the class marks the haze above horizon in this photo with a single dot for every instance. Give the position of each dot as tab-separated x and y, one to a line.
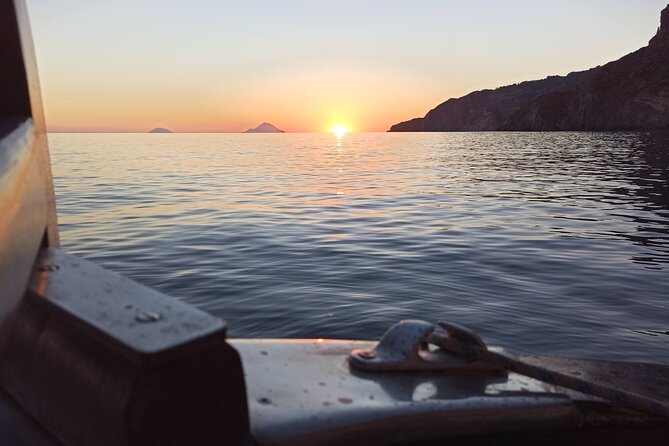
211	66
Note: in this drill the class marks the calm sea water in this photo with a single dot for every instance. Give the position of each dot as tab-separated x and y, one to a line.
554	243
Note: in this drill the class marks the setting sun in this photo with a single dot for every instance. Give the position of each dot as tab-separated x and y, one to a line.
339	130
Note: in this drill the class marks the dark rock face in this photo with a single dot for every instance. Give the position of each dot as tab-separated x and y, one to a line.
631	93
663	30
160	130
265	127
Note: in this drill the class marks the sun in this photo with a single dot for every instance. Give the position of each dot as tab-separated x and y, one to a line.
339	130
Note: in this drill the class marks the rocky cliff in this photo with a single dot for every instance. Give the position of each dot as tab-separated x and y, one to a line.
631	93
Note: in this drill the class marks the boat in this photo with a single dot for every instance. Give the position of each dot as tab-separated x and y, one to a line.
89	357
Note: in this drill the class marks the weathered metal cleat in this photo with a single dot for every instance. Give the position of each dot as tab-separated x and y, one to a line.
413	345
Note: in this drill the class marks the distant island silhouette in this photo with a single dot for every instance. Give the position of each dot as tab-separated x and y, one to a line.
265	127
160	130
631	93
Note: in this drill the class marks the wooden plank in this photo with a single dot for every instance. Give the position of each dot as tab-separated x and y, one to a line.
18	429
14	96
100	359
141	324
41	145
22	214
27	202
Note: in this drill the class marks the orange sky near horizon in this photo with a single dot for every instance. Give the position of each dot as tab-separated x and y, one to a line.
358	100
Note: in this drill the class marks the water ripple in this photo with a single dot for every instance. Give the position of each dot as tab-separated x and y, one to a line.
554	243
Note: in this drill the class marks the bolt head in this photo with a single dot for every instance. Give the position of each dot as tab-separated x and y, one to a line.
366	354
48	268
148	316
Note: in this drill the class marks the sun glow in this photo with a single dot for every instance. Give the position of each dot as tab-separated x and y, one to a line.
339	130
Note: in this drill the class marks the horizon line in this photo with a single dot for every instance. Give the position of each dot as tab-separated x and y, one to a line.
222	132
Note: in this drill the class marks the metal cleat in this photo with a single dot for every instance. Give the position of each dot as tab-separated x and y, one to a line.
411	346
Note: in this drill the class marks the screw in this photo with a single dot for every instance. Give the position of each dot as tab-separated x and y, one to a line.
148	316
48	268
367	354
264	400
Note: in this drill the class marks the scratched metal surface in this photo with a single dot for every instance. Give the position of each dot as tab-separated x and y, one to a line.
304	392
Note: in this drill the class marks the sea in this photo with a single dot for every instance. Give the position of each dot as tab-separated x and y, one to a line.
546	243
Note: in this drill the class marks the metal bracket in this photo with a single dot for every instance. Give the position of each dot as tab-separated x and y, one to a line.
408	346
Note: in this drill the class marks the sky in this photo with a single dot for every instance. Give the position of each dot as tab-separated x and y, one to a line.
306	66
